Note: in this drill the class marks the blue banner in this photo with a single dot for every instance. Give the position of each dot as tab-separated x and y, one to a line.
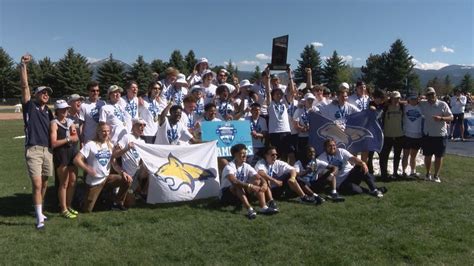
227	134
362	132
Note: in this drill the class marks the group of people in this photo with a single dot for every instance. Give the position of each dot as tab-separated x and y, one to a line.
99	136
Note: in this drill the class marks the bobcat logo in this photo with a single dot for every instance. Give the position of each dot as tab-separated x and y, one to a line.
226	133
177	174
346	138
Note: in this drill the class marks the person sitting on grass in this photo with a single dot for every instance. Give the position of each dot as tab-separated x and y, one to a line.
240	181
314	174
64	139
96	159
351	171
279	175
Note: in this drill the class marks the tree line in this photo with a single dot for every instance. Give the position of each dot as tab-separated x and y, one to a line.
392	70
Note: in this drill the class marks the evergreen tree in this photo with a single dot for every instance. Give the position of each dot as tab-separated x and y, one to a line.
110	73
398	66
72	74
414	84
371	72
191	61
9	81
177	61
335	71
141	73
448	86
35	75
467	84
48	73
256	74
435	83
232	69
158	66
311	58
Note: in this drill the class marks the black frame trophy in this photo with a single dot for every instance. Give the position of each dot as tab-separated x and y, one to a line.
279	53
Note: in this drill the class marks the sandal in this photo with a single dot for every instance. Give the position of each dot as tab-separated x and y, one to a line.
71	210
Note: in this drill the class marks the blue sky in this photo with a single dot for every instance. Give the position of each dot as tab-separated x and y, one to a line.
436	33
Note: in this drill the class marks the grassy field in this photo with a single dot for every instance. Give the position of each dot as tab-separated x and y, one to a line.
415	223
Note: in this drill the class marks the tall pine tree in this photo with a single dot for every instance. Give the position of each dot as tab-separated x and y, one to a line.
158	66
110	73
335	71
467	84
141	73
372	71
256	74
310	58
9	80
177	61
72	74
190	60
48	73
398	66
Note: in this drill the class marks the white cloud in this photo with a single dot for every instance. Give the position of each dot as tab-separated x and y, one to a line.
445	49
226	63
249	63
324	57
92	60
262	57
346	58
317	44
433	65
57	38
358	59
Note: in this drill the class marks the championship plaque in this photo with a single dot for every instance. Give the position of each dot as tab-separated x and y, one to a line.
279	53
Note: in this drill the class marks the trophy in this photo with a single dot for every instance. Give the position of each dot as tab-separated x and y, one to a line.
279	53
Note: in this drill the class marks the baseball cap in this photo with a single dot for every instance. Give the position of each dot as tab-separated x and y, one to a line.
430	90
245	83
74	97
138	120
309	95
114	88
61	104
274	76
344	85
42	88
395	94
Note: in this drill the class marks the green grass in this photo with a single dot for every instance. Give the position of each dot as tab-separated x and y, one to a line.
415	223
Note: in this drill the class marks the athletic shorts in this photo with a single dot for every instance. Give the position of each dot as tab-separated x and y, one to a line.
458	118
228	197
39	161
434	146
412	143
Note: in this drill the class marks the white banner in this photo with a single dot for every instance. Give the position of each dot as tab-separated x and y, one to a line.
180	173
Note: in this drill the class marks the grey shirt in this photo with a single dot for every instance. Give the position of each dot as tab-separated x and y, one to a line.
431	127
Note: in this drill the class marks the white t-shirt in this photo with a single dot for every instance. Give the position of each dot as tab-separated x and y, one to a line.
89	114
278	120
301	116
114	116
209	93
457	106
412	121
131	158
292	107
319	167
338	113
172	135
322	102
259	125
242	173
98	156
341	161
260	90
176	94
360	102
150	112
131	110
189	121
223	108
275	170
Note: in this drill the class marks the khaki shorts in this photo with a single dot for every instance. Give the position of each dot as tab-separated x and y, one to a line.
39	160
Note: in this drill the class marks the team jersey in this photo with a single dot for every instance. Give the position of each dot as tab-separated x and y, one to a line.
98	157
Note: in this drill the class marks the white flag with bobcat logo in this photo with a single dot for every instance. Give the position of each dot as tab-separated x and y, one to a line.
180	173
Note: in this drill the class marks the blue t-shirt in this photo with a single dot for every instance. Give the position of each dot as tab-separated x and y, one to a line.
36	124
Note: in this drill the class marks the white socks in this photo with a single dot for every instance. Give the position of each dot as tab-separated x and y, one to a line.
40	218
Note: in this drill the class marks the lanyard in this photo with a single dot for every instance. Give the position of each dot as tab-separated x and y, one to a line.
362	102
191	120
254	125
305	117
342	111
240	174
173	133
119	113
131	107
279	109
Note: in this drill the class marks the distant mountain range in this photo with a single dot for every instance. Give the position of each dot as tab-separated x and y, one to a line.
455	72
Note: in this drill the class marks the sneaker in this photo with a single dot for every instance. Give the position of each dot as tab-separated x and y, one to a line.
40	226
272	204
318	200
436	179
71	210
118	207
428	177
414	175
68	215
252	214
268	211
336	198
383	190
377	193
305	199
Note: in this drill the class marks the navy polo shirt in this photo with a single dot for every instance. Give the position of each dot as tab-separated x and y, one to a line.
36	124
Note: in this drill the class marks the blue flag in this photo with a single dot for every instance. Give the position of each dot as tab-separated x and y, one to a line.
362	132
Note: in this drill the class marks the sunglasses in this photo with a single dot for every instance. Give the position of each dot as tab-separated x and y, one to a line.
274	154
94	90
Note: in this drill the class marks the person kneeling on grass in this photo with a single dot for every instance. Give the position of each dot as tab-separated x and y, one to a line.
240	181
314	176
351	170
280	175
96	159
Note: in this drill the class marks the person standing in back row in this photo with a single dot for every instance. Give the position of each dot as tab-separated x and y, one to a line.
39	158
